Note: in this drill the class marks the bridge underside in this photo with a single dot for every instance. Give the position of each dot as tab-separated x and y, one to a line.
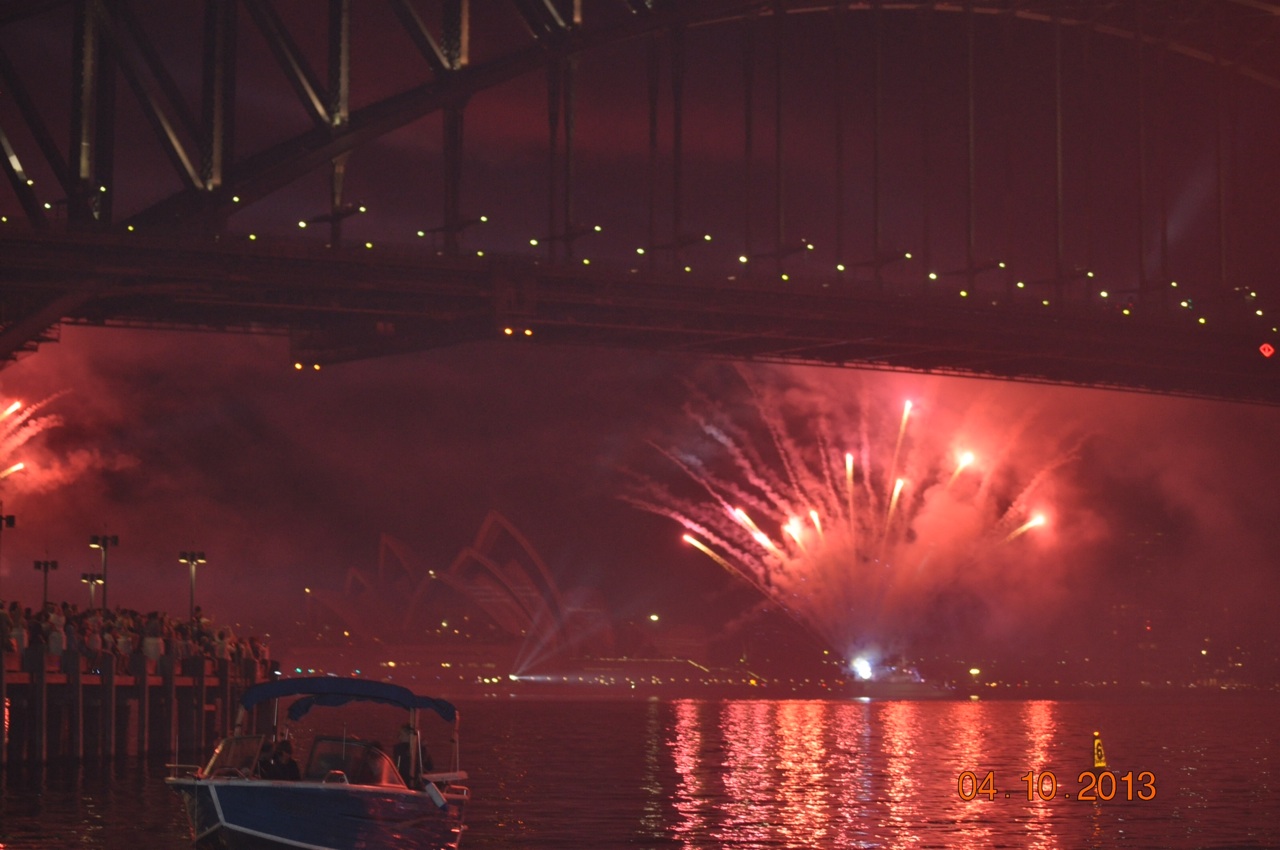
345	304
1077	193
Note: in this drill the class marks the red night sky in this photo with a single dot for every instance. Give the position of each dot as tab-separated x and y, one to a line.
287	479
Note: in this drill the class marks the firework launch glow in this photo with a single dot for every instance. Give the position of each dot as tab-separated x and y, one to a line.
869	522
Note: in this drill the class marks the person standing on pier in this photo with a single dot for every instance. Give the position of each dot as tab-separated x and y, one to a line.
54	637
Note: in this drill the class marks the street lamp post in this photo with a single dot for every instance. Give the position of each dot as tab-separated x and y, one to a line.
192	559
103	542
45	566
93	580
6	521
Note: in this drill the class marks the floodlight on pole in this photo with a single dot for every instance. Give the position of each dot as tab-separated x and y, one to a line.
103	542
192	559
93	580
45	566
6	521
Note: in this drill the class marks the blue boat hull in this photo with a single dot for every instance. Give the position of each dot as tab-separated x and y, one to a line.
252	814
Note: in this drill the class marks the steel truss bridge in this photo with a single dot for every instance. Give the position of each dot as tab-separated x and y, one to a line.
1070	191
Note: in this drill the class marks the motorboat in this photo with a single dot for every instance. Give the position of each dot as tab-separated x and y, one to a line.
343	793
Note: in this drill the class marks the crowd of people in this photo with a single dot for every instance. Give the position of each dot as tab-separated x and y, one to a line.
102	638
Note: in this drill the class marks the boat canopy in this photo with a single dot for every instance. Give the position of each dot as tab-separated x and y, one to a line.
332	691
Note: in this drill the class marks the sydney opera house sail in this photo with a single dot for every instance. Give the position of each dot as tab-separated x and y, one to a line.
495	610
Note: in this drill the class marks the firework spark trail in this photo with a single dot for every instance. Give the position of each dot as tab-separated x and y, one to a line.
855	550
19	425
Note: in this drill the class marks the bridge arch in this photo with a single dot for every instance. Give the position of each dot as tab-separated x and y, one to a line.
981	175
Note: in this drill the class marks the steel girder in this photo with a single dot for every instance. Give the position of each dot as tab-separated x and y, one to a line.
113	41
340	304
111	38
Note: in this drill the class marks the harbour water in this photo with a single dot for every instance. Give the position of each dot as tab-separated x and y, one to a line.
785	774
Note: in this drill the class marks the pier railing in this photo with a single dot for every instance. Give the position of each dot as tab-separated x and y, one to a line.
65	707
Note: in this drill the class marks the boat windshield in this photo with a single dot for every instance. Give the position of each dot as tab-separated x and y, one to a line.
354	762
238	755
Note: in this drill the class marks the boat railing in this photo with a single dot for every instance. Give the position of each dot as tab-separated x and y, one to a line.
181	771
445	777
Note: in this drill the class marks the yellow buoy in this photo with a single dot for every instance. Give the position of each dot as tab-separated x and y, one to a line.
1099	755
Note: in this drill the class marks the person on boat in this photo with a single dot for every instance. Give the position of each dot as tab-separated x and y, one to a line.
401	754
281	764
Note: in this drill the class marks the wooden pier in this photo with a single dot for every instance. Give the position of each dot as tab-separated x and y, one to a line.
57	707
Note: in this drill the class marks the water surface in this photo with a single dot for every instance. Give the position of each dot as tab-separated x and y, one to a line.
781	774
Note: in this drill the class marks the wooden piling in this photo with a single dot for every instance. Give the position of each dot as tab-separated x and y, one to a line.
199	688
76	711
4	706
37	740
138	666
226	715
75	703
107	688
169	705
